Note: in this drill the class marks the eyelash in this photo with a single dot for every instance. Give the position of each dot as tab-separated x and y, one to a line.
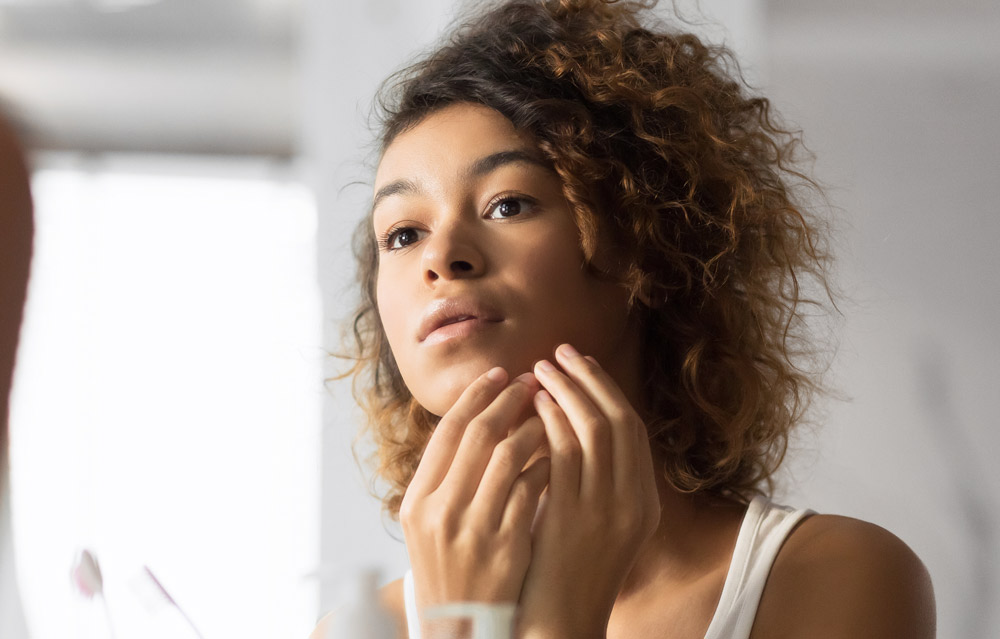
386	240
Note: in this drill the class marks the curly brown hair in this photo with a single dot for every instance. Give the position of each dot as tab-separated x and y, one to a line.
669	161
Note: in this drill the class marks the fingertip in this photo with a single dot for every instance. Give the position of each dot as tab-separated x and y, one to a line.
544	366
567	351
567	355
496	374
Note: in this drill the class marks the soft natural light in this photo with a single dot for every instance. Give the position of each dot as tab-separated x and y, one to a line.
166	405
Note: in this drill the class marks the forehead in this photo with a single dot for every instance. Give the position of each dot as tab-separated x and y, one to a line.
449	139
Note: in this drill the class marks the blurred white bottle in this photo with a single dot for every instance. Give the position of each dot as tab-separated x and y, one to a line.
359	615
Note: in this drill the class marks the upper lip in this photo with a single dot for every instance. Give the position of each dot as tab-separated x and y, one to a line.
449	310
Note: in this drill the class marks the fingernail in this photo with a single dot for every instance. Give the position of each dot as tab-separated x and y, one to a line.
496	374
525	378
545	366
543	396
568	351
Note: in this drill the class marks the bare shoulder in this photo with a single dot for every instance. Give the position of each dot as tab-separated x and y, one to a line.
391	598
841	577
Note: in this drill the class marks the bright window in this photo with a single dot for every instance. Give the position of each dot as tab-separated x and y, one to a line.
166	404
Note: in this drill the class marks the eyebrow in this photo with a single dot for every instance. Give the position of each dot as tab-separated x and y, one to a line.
494	161
479	168
396	187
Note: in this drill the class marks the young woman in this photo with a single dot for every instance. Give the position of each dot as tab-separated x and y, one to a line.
582	343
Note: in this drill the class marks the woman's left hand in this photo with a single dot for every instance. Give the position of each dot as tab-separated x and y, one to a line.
601	505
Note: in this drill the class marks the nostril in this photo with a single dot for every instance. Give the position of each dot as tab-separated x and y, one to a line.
461	265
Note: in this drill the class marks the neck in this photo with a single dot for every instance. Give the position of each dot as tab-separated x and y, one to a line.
697	533
694	541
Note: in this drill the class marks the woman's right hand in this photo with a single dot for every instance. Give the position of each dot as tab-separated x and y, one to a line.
467	513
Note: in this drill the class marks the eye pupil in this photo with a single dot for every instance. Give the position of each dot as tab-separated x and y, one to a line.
403	237
508	208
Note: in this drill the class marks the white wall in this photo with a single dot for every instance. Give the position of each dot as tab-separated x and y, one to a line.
901	111
348	49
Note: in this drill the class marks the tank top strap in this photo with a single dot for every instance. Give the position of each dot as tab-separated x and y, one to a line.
762	533
764	530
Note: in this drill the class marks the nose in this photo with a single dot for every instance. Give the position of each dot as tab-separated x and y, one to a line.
452	253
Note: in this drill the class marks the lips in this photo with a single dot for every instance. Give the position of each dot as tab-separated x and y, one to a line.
448	311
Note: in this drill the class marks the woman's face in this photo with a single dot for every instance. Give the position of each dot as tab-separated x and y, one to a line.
480	263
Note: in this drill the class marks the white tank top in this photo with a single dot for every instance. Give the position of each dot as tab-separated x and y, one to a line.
764	529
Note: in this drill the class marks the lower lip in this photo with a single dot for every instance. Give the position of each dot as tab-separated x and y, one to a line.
457	330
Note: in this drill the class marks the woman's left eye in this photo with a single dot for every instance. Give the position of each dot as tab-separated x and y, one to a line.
507	207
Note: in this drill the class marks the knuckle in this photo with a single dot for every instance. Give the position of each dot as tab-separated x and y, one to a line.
482	432
594	424
594	373
446	506
506	455
518	493
591	370
631	525
447	423
406	511
445	521
622	415
595	435
505	537
521	497
566	447
482	390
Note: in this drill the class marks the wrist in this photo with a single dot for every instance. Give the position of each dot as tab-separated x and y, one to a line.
470	620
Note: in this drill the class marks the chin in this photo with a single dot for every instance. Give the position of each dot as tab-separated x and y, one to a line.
438	393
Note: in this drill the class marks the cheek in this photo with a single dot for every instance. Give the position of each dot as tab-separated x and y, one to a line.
553	271
392	308
569	302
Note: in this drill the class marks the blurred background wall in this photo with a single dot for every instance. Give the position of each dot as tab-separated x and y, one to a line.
897	99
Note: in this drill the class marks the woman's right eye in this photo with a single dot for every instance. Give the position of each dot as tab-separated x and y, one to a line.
399	238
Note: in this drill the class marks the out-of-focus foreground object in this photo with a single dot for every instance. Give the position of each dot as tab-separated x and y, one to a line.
85	574
15	257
